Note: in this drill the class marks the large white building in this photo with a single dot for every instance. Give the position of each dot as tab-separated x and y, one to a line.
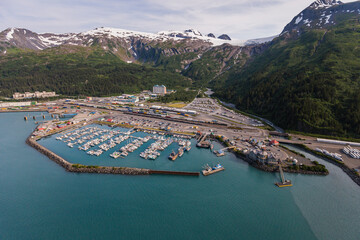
15	104
33	95
157	89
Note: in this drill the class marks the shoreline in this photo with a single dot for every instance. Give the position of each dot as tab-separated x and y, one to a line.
347	170
24	110
267	168
273	169
137	171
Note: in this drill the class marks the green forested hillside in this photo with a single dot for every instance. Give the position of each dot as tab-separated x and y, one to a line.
74	70
308	79
308	83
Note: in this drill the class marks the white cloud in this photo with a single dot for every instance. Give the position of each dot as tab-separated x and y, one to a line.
242	19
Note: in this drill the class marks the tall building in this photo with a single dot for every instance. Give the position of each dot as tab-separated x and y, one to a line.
157	89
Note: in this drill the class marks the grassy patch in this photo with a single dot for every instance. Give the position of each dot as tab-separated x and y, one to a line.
177	105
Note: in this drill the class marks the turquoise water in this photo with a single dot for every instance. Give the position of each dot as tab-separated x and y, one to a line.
39	200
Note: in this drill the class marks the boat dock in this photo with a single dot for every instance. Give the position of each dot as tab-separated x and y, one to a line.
211	170
202	142
284	182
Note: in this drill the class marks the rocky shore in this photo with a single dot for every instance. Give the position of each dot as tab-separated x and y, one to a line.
78	168
269	168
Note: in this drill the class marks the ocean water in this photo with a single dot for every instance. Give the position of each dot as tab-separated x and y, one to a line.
40	200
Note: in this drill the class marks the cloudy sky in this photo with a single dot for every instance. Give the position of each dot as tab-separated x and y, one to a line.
241	19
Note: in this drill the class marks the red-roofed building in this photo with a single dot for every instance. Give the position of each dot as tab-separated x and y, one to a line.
274	142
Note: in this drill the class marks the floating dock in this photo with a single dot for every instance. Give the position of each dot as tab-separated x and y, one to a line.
211	170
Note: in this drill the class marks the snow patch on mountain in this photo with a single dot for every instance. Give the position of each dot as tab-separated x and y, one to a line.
160	36
327	18
117	33
324	4
9	35
299	18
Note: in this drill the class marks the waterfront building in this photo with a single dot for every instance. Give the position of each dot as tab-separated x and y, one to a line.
36	94
159	89
258	155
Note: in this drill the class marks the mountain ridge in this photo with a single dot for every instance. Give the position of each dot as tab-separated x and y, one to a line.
307	79
21	37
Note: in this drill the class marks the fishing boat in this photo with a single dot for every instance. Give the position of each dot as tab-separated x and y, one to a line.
115	155
210	170
180	151
124	153
219	153
144	155
173	155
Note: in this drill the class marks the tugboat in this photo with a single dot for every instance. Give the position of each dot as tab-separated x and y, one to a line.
210	170
124	154
173	156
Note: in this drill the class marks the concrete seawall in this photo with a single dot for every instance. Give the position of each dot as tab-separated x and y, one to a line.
82	168
174	173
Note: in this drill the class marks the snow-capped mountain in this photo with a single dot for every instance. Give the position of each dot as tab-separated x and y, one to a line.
322	14
23	38
324	4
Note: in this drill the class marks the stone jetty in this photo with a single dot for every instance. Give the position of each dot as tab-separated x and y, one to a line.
78	168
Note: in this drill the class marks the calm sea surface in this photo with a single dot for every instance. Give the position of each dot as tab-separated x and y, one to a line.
40	200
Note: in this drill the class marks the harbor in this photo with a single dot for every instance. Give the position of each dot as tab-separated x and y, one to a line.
117	136
106	144
60	195
96	141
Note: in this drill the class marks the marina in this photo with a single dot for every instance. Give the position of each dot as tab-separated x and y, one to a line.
97	141
105	143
